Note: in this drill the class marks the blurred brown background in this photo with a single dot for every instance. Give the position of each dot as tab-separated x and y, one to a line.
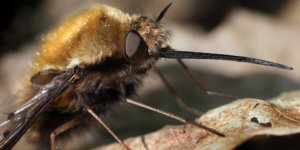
268	30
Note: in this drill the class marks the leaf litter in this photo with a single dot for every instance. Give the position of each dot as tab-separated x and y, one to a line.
241	121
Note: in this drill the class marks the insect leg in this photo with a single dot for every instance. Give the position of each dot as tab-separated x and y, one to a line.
177	98
172	116
62	129
89	109
202	87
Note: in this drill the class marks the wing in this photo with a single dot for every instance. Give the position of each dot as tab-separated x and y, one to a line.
19	111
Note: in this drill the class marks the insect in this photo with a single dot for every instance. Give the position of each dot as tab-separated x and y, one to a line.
87	64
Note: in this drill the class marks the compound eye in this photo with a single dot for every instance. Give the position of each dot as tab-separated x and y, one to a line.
136	48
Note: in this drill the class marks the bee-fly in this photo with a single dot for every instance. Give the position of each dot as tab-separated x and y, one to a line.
85	65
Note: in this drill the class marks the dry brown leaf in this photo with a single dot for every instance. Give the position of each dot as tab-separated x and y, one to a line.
239	121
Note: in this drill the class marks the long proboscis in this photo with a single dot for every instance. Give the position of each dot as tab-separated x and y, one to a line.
198	55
